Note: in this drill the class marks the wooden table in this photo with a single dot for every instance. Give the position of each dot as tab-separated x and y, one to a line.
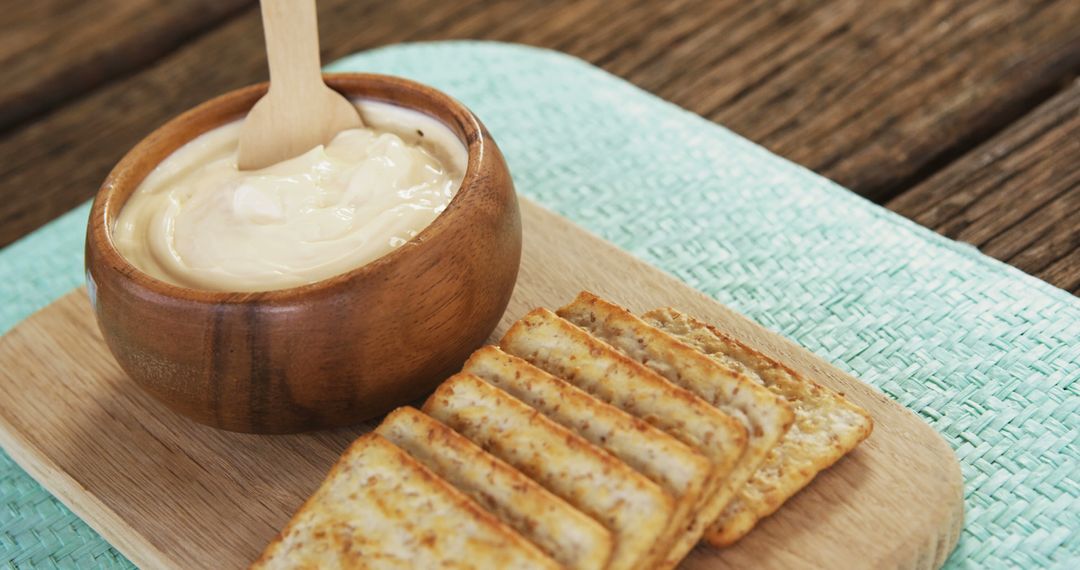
961	115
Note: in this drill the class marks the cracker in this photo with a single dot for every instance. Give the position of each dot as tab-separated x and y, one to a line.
634	509
827	426
766	415
567	351
561	531
677	468
381	509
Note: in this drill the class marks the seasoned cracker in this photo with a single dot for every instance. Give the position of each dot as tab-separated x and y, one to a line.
677	468
380	509
561	531
570	353
766	415
632	507
827	426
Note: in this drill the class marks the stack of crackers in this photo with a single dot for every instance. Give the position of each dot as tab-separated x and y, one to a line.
590	438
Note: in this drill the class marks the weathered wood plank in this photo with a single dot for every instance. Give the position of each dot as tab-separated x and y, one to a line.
872	94
1016	196
52	50
1065	271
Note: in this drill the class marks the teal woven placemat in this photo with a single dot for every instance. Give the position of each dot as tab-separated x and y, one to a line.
987	355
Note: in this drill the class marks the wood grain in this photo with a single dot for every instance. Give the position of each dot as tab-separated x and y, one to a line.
170	493
55	50
877	95
1016	196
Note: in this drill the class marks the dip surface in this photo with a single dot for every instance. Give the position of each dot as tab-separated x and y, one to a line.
199	222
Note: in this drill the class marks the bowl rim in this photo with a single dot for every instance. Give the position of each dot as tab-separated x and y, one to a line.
464	124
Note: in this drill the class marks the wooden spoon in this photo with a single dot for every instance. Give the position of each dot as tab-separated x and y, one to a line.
299	112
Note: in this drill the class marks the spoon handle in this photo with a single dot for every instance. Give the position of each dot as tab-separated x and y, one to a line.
292	45
299	112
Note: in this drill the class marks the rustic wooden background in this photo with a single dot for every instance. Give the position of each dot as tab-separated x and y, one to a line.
961	115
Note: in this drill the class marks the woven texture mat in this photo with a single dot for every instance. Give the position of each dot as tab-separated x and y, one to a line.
987	355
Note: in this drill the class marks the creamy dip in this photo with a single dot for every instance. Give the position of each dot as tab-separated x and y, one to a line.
199	222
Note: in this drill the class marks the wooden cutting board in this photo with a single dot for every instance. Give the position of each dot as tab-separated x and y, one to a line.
170	493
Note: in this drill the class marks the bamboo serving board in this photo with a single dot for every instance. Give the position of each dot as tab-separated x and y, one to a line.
170	493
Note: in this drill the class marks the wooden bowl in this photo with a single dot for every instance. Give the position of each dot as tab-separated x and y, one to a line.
332	353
